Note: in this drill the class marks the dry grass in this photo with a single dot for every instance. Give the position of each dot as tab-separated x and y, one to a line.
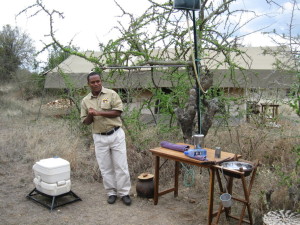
27	140
267	144
31	137
273	147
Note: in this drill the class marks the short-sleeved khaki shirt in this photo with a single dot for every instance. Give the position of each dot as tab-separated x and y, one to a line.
107	100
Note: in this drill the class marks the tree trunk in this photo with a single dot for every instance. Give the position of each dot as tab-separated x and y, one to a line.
186	116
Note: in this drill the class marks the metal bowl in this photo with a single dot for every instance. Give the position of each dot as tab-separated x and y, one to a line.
236	165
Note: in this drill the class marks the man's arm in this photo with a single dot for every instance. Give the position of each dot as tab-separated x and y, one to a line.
106	113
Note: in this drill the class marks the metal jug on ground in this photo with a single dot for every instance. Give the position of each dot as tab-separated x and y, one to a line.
198	141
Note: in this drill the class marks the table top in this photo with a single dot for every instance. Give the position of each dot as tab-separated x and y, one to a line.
179	156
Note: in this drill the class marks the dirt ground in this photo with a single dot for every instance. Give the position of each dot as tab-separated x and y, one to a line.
93	209
15	208
16	182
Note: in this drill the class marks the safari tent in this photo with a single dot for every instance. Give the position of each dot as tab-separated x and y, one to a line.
258	80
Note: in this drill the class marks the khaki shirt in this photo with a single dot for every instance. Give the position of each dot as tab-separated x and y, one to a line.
107	100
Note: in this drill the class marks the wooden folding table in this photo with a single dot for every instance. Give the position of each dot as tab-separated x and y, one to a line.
178	157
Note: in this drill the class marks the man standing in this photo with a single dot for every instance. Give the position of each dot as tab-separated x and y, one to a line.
102	108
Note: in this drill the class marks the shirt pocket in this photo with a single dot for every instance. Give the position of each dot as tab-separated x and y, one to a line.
105	106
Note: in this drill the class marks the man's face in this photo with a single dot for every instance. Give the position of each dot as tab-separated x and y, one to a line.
95	83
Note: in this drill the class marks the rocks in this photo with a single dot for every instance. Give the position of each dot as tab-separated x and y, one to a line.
59	103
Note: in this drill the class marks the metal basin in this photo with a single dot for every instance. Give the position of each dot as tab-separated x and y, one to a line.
236	165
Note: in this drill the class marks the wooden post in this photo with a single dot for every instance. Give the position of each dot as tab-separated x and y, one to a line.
156	180
211	194
176	178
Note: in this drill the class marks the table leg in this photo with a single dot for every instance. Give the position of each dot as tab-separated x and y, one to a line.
176	178
156	179
211	194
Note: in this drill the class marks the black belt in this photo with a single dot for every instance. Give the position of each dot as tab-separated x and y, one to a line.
111	131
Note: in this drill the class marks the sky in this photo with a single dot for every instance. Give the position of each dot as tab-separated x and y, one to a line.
86	22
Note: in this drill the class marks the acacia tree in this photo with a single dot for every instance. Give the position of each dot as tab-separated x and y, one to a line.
161	28
16	50
161	36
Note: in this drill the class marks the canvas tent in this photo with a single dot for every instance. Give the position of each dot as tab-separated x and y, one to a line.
75	69
259	72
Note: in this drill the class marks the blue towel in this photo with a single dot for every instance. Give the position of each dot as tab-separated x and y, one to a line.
169	145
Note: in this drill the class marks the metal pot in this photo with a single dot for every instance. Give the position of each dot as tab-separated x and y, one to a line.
239	166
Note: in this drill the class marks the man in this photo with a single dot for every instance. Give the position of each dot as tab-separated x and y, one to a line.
102	108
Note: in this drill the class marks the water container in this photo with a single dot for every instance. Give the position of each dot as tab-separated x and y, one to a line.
198	140
187	4
199	154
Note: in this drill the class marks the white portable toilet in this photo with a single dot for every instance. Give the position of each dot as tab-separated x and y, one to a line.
52	179
52	176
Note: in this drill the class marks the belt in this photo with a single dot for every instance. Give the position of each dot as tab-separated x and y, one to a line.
111	131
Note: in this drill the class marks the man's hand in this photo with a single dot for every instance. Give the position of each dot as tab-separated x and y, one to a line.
90	116
92	112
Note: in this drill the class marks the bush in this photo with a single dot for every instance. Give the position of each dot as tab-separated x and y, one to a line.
30	84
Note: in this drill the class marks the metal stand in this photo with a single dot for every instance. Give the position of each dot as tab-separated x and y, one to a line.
43	198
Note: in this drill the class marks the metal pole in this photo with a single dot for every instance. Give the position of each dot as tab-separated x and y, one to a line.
140	67
198	71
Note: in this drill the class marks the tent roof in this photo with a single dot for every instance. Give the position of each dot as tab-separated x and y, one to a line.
254	79
75	64
260	72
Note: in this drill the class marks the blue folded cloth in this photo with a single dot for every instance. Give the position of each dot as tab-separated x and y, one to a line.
176	147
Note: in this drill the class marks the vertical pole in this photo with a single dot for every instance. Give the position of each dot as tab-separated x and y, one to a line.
156	179
176	179
212	172
198	71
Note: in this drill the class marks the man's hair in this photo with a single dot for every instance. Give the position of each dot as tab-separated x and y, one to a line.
92	74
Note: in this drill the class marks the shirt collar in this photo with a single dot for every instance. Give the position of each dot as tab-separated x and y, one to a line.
103	90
